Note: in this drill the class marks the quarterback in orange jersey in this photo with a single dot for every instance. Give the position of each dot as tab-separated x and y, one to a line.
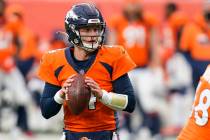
198	125
105	69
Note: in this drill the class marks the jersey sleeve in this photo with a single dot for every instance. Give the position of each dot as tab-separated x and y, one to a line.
122	64
46	70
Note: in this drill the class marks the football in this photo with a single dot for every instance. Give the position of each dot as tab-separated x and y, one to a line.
78	95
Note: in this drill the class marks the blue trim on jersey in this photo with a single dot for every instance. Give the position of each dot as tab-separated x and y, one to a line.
58	70
108	68
79	65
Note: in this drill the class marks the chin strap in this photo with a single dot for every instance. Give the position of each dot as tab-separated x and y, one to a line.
114	101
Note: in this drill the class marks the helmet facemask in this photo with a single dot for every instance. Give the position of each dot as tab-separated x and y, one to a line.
90	37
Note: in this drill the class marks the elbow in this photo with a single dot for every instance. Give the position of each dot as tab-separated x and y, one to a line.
44	111
131	108
46	115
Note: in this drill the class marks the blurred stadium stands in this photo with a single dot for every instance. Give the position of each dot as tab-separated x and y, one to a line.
42	16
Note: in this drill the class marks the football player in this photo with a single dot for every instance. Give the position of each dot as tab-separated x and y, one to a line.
198	125
9	74
195	42
105	67
135	29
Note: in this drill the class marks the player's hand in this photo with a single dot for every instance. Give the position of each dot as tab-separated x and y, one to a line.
94	87
67	84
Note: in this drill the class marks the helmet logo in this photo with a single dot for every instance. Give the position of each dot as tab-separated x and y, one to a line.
72	15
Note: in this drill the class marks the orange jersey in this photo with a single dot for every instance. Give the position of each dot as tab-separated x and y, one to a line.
195	39
198	125
25	40
177	20
169	34
134	37
166	50
27	46
7	50
110	63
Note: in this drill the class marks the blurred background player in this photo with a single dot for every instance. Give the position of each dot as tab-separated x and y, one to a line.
24	39
12	82
195	42
177	81
197	126
135	29
106	76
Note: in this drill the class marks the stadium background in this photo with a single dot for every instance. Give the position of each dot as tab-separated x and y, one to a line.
49	14
44	17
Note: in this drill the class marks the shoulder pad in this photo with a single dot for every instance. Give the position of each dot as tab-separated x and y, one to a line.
114	50
50	56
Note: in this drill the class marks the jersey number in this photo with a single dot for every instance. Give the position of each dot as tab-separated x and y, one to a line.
203	106
92	101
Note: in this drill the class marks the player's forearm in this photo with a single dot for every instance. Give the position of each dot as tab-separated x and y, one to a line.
123	86
114	101
49	107
118	102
